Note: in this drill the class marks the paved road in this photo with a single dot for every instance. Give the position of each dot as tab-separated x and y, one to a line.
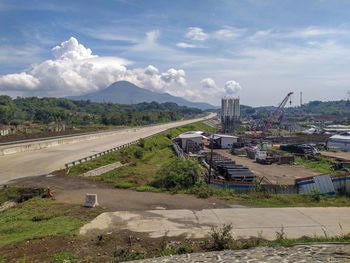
46	160
246	222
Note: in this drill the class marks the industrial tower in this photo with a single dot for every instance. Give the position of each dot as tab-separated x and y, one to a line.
230	114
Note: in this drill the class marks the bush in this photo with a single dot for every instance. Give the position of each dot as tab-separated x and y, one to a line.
176	174
316	195
222	237
138	153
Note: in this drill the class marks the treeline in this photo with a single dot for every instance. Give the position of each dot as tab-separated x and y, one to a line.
339	108
47	110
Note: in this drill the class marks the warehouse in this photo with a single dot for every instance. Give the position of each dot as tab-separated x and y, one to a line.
223	141
339	142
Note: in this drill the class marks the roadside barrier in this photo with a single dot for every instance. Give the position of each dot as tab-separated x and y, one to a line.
90	157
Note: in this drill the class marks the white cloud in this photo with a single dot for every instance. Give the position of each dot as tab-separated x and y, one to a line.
196	33
228	33
185	45
75	70
71	49
208	83
174	76
18	81
232	87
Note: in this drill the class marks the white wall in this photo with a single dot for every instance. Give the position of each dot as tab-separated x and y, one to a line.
227	142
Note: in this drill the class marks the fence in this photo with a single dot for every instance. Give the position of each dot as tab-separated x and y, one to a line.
340	184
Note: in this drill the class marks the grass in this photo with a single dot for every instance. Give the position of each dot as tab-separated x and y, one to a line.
64	257
223	239
144	159
37	218
256	199
321	164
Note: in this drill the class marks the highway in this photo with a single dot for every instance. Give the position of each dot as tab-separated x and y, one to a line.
44	161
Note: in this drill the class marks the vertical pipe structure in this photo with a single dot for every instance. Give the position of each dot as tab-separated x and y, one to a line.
211	157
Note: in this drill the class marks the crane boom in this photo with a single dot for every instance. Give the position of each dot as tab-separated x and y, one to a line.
276	113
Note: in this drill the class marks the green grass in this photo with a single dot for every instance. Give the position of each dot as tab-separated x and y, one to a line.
64	257
144	159
36	218
320	165
257	199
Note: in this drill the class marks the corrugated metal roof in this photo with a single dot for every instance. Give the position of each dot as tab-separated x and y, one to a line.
343	136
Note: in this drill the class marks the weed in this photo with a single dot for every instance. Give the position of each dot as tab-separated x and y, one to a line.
222	237
147	188
64	257
42	217
22	260
316	195
123	184
280	235
183	249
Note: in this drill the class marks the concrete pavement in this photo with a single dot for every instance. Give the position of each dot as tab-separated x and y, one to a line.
46	160
246	222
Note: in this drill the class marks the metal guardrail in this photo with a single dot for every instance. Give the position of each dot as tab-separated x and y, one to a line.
88	133
90	157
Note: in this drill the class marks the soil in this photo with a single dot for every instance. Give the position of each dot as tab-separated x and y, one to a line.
111	247
275	173
343	156
72	190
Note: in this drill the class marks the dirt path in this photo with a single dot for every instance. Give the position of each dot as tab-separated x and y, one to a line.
285	174
72	190
342	155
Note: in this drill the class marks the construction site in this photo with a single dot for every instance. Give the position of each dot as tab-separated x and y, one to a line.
266	155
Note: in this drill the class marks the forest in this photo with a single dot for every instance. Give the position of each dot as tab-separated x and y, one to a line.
47	110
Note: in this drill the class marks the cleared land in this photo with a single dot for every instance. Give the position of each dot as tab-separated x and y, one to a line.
72	190
283	174
342	155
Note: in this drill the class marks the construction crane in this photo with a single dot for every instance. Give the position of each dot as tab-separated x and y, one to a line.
276	113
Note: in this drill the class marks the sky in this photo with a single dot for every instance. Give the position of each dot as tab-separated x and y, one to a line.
258	50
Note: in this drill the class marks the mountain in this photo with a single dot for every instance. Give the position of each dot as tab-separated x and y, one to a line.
124	92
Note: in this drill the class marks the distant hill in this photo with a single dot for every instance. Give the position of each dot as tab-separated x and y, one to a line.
124	92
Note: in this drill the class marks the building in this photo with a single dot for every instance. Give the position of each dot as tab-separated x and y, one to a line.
339	142
230	114
190	141
223	141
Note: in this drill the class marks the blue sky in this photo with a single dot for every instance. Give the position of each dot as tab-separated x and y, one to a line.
200	50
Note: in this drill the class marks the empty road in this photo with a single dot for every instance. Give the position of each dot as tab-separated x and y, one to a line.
295	222
44	161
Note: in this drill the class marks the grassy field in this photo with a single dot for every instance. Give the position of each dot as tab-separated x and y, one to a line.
143	160
39	217
320	165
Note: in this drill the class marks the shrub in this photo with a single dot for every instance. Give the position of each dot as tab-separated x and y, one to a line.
42	217
316	195
222	237
138	153
176	174
142	143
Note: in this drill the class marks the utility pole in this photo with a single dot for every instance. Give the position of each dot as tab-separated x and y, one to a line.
211	156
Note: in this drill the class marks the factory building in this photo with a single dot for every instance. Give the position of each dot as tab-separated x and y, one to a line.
230	114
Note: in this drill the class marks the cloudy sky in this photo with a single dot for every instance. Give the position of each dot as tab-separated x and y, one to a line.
201	50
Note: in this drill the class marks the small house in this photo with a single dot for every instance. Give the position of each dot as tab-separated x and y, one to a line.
224	141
